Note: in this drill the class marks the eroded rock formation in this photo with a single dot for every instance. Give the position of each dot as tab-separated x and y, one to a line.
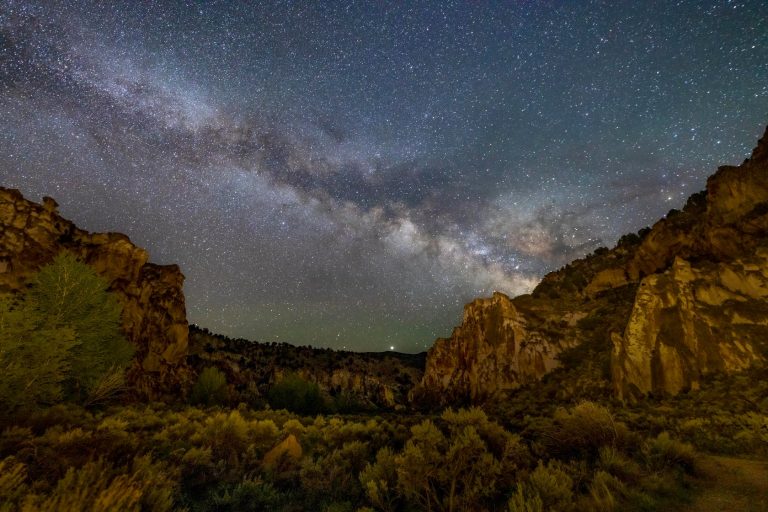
692	320
154	313
674	302
494	349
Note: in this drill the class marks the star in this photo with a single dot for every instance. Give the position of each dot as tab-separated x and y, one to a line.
350	175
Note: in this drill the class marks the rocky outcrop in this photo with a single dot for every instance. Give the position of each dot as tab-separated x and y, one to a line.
699	307
702	305
495	349
374	380
691	320
154	313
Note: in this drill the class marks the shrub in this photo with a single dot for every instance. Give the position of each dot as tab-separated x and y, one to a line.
247	496
605	491
552	485
584	429
380	481
69	293
210	388
227	435
663	452
464	466
617	464
13	476
297	395
523	502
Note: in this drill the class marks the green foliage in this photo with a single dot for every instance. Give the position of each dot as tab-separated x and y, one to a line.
297	395
62	338
380	480
34	356
13	488
462	464
522	502
210	388
70	294
247	496
552	485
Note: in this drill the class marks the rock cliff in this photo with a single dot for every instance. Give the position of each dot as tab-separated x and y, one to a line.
670	304
494	349
691	320
154	313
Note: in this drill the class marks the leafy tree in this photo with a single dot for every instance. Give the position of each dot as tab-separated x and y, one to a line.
34	360
69	293
62	338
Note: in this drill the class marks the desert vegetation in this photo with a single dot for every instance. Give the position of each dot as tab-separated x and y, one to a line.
70	439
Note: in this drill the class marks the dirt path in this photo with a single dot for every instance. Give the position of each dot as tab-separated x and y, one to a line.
731	484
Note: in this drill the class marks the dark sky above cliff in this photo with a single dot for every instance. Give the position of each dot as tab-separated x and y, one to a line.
350	174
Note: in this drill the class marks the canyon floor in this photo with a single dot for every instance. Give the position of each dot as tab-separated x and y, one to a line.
731	484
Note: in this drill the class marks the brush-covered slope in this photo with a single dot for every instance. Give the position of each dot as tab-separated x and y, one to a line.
672	303
365	380
154	312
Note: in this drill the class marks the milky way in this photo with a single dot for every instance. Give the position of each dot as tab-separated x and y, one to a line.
348	175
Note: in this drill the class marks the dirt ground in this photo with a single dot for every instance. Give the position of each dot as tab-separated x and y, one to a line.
730	484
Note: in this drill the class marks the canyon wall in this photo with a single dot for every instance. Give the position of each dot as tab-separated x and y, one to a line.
672	303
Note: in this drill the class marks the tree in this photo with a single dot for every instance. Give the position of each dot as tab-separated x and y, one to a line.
62	338
34	360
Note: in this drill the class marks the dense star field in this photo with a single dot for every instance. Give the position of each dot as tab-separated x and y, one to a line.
348	175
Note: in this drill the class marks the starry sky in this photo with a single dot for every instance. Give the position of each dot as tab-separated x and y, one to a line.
350	174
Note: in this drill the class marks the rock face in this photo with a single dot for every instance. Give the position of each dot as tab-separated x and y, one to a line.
692	320
671	304
707	309
154	314
494	349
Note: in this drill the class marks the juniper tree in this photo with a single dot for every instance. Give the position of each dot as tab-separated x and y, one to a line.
62	337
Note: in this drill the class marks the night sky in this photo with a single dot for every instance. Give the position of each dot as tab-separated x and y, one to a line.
350	174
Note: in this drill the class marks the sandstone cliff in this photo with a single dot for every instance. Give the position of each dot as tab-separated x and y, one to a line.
495	348
374	380
669	304
702	304
154	313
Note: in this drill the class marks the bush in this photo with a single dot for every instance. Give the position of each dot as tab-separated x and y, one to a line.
465	465
297	395
584	429
98	486
69	293
552	485
663	452
210	388
522	502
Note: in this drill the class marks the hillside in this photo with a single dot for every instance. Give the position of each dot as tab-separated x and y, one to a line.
364	380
